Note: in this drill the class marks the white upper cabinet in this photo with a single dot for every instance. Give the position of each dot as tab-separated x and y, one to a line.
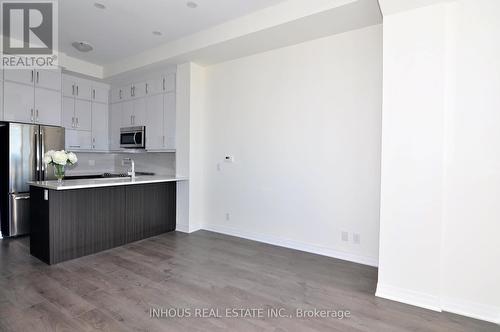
77	87
134	112
115	123
48	78
100	94
83	114
19	102
83	90
169	119
68	113
150	103
100	127
169	83
33	96
24	76
154	122
116	95
154	86
48	107
138	90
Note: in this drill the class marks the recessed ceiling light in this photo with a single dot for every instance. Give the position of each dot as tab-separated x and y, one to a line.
82	46
157	33
191	4
99	5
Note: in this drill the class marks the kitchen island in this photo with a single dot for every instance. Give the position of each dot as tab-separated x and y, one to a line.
81	217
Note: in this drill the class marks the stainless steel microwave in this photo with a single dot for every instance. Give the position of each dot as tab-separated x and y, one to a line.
133	137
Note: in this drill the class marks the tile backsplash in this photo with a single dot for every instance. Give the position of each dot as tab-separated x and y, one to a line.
90	163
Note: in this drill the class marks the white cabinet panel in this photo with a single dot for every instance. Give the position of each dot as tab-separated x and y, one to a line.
154	86
169	119
83	89
48	107
100	94
68	112
25	76
78	140
139	115
99	126
83	114
116	95
139	90
115	123
127	113
169	85
154	122
68	86
18	102
48	78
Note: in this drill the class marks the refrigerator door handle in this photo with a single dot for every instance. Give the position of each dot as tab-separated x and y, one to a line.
42	153
37	153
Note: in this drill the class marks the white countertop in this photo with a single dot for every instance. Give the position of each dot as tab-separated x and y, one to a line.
105	182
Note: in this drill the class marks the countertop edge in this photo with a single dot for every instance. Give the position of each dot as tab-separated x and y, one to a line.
53	185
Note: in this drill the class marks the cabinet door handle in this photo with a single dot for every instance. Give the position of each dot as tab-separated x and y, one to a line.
75	146
73	122
32	75
164	88
163	137
146	88
73	92
77	125
37	77
32	115
77	90
36	115
120	94
93	94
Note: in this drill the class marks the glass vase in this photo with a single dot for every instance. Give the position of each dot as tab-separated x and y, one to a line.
59	172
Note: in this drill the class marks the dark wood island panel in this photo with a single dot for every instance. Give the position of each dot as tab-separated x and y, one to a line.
78	222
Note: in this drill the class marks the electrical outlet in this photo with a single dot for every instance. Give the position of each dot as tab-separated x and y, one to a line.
356	238
228	216
229	159
345	236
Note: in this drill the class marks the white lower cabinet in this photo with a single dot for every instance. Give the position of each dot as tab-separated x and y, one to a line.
78	140
115	121
100	127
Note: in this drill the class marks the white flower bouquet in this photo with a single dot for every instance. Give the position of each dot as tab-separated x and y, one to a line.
59	159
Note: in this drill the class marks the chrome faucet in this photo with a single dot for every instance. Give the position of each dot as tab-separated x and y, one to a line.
132	171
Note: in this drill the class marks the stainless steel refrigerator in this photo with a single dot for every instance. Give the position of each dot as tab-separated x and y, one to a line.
21	160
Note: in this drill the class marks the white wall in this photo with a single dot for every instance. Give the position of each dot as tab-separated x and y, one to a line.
471	249
441	159
303	124
190	96
412	156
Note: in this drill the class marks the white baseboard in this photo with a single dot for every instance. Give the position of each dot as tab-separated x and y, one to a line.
410	297
182	228
281	242
471	309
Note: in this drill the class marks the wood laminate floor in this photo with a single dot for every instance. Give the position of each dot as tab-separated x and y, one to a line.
115	290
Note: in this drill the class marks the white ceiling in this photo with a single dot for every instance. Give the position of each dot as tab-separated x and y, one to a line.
125	27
